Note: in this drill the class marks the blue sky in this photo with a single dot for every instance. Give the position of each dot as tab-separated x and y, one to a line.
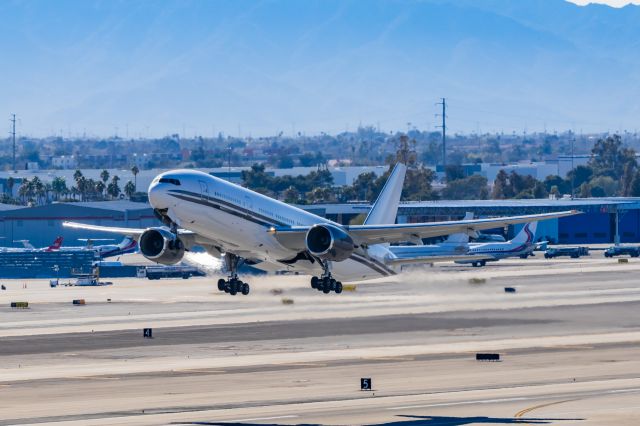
194	67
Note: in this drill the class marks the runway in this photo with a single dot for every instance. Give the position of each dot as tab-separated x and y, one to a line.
568	338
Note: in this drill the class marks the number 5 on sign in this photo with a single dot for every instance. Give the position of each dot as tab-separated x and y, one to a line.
365	384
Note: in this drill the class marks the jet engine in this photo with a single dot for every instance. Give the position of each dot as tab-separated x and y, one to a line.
329	242
161	245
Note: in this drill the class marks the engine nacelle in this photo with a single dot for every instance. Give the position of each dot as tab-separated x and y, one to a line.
161	245
329	242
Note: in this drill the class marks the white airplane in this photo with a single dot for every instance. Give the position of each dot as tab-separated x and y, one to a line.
241	225
522	245
28	247
127	245
454	245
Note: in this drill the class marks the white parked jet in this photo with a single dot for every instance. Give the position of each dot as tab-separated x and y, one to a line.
520	246
241	225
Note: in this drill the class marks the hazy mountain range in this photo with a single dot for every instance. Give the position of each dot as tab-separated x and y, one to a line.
260	67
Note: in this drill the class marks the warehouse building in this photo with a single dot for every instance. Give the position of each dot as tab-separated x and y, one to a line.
42	224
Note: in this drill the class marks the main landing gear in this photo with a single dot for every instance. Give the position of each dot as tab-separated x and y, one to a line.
325	283
233	285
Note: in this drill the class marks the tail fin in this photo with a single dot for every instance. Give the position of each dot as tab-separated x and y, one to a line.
385	209
527	234
26	244
128	245
462	237
57	243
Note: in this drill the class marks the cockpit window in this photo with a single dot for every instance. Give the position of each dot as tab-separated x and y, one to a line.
170	180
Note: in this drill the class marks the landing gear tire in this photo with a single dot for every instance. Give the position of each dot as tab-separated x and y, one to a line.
314	282
233	285
245	289
338	288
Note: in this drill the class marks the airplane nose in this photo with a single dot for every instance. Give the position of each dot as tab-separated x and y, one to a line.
157	196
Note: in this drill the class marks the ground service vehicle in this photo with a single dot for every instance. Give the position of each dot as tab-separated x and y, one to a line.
573	252
621	251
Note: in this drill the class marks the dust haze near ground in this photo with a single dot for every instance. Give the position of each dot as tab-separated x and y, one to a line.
569	340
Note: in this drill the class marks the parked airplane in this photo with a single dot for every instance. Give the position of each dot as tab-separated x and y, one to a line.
453	245
241	225
520	246
127	245
28	247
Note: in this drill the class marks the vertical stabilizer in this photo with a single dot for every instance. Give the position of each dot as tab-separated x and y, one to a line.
57	243
527	234
385	208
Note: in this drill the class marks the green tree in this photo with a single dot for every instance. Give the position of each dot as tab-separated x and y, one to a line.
10	184
580	175
610	157
454	172
608	187
25	191
104	175
635	185
473	187
502	187
58	186
417	185
129	189
135	170
562	186
626	182
113	189
100	187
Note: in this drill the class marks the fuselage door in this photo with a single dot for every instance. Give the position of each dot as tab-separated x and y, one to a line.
248	205
204	190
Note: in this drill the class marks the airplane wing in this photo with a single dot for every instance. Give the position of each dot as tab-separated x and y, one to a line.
189	238
293	237
134	232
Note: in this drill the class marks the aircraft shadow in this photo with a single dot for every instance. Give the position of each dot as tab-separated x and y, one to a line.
409	420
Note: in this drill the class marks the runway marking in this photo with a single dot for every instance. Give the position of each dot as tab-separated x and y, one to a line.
195	370
624	390
449	404
307	364
535	407
96	378
255	419
390	358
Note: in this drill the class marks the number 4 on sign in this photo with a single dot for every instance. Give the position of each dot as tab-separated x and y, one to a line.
365	384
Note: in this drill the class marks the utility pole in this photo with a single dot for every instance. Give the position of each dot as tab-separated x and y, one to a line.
443	103
13	137
573	170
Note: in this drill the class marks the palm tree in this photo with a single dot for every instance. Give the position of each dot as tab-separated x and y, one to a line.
24	190
10	183
135	172
58	186
81	184
129	189
104	175
100	187
113	189
37	189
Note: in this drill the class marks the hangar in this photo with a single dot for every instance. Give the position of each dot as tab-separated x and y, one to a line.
42	224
